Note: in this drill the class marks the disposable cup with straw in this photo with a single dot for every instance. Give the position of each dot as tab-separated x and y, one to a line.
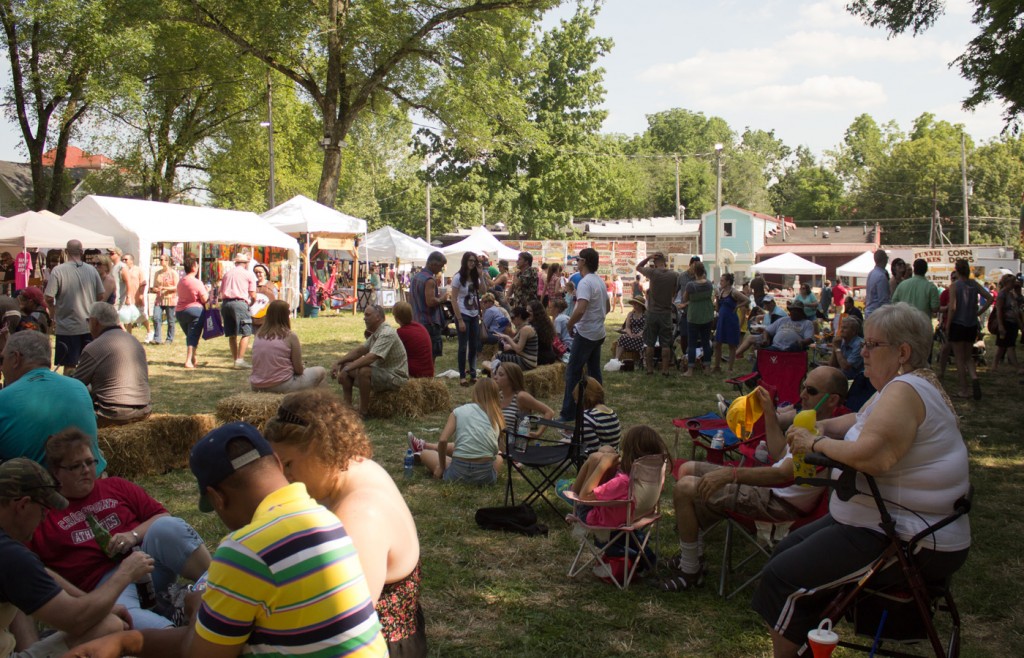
806	419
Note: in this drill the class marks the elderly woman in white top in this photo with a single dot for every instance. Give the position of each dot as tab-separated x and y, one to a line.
907	437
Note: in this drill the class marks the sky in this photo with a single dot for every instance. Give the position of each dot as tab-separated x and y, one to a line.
805	69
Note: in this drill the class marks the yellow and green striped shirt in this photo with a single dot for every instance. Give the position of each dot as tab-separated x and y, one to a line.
290	583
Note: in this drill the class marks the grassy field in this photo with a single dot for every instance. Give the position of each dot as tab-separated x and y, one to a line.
493	594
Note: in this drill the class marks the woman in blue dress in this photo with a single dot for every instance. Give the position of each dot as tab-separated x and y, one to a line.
727	331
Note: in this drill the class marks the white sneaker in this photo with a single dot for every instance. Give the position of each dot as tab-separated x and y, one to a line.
240	363
149	338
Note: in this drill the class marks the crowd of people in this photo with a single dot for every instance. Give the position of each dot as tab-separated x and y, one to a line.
322	546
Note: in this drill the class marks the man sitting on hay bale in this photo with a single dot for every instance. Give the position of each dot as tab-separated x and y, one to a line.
114	368
29	411
379	364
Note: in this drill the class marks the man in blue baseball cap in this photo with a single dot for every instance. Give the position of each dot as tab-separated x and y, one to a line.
263	584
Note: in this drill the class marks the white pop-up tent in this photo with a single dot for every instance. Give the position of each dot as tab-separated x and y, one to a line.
136	225
481	241
859	267
789	263
314	222
390	246
44	230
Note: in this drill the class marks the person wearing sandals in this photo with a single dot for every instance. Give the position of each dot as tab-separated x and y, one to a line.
192	296
962	325
467	450
705	491
516	402
323	444
468	284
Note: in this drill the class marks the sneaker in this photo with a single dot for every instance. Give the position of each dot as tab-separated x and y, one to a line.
240	363
723	408
416	444
149	337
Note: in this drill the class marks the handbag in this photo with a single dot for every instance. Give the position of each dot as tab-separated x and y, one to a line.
520	519
213	327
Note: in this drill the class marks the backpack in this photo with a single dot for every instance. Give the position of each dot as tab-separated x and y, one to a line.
520	519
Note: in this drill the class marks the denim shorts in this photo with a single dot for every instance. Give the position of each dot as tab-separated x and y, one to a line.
460	470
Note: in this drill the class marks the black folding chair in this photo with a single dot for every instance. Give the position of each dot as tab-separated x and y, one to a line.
540	461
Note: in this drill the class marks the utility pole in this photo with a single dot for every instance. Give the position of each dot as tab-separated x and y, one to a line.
269	124
963	172
718	209
935	214
677	187
428	212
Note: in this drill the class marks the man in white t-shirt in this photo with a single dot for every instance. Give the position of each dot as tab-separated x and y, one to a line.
587	324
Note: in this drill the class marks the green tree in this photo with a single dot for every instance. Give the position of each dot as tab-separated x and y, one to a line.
993	59
65	55
447	59
809	193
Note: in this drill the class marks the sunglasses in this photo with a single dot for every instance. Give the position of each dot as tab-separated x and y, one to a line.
811	390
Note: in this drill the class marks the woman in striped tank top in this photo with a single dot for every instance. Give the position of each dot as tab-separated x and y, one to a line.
516	402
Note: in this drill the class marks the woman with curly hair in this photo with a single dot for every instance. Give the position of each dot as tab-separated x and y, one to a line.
322	443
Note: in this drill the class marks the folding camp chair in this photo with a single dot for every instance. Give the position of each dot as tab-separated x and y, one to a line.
762	536
540	461
629	542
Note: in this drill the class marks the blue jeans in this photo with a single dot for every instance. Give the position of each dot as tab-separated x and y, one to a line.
469	340
170	541
190	320
698	335
585	352
158	316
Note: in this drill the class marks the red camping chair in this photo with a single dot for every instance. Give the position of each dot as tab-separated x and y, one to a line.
783	370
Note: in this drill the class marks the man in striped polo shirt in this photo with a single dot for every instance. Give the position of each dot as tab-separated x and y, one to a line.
287	581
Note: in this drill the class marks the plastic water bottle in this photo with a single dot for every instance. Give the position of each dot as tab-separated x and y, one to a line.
408	463
761	453
524	426
718	443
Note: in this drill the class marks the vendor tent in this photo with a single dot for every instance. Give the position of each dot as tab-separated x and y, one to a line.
859	267
35	230
136	225
481	241
789	263
390	246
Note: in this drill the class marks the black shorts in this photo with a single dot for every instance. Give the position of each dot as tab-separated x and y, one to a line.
958	333
68	349
1008	339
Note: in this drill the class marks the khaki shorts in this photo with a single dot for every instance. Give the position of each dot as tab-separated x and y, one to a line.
755	502
51	646
385	380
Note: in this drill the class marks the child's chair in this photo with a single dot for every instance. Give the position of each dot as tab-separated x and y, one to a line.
604	545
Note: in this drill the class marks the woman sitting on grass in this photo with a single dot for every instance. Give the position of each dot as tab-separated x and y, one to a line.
605	475
515	401
277	356
322	443
473	431
601	425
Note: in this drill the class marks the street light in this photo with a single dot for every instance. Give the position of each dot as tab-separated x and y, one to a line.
269	125
718	208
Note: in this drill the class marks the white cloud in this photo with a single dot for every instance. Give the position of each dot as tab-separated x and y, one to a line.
983	123
825	14
820	93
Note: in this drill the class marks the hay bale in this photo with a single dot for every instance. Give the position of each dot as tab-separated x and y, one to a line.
545	381
417	398
249	407
153	446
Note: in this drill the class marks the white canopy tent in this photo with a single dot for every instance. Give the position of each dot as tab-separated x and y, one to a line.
301	216
390	246
136	225
789	263
859	267
35	230
480	240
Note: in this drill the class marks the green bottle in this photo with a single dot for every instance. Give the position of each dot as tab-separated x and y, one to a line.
101	534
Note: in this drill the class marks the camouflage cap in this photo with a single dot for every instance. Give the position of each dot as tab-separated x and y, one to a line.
24	477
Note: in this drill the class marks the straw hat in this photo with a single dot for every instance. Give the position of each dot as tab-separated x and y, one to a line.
639	301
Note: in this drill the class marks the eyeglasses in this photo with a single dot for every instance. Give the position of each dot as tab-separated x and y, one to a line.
82	465
869	345
811	390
